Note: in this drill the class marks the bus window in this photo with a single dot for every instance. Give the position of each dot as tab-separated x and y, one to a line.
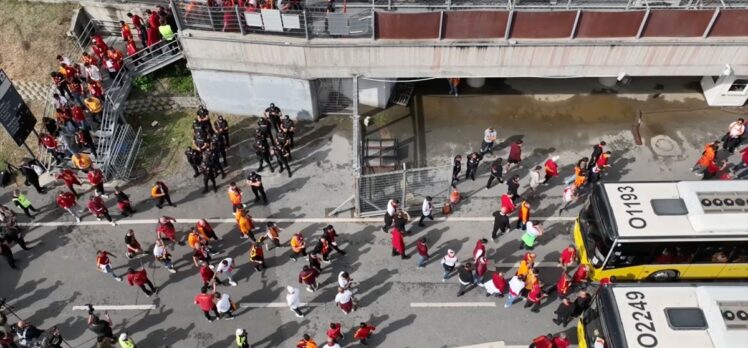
714	252
741	253
597	244
631	254
674	255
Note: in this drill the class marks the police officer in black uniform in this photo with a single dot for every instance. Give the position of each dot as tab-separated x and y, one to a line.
472	165
219	148
273	114
285	141
203	119
263	127
254	181
200	141
213	159
262	150
222	129
282	155
209	174
287	126
193	158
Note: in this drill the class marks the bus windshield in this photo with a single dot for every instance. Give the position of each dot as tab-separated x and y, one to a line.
596	241
593	324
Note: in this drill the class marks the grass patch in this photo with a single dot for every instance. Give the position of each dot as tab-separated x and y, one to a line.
32	35
164	143
173	80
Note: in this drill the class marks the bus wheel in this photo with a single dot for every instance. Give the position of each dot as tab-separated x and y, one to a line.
664	276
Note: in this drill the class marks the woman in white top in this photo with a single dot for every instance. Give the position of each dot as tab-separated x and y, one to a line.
535	179
734	135
293	300
534	230
344	280
449	262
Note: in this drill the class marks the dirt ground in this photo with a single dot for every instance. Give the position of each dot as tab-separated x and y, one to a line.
32	35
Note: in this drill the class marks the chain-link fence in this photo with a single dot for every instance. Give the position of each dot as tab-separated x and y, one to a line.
410	186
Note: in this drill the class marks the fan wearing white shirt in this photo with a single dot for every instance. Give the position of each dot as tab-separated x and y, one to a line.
224	306
293	300
391	209
489	137
331	343
734	135
426	209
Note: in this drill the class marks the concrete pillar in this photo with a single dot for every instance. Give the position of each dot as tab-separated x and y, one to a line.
476	82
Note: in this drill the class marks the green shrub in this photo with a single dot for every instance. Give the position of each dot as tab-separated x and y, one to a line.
145	83
182	85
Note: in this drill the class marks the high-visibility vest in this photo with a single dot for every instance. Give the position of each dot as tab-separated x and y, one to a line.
166	32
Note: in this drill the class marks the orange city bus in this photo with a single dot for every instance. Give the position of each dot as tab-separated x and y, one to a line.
665	230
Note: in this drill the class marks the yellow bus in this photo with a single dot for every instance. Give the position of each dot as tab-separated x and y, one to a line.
656	315
665	231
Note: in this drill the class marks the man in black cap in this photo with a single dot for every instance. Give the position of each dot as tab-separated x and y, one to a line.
262	150
273	113
254	181
222	129
263	127
193	158
287	126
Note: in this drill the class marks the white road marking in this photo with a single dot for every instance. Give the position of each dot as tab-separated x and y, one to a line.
275	304
451	304
292	220
116	307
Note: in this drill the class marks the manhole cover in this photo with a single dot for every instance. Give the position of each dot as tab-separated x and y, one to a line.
663	145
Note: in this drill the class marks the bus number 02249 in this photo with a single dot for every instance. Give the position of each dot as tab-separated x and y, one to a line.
631	202
643	317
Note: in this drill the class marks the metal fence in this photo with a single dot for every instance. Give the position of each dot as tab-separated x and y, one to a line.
334	96
410	186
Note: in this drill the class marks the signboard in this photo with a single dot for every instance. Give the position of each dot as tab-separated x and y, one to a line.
272	20
291	21
15	115
253	19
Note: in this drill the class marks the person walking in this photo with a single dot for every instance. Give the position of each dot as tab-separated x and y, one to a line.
344	301
481	268
125	341
389	213
456	169
163	256
306	342
323	248
516	285
67	201
7	254
426	209
497	172
500	223
298	246
332	236
568	257
472	165
534	181
69	178
449	262
601	165
512	188
524	215
563	312
569	197
293	300
235	196
262	150
597	151
528	239
423	252
543	341
254	181
226	268
206	303
580	173
363	332
272	232
496	286
454	82
563	285
12	234
205	230
105	265
160	193
140	279
133	246
123	202
335	332
29	170
489	138
209	175
241	339
398	244
98	209
308	277
194	159
560	341
535	296
21	201
734	136
479	249
580	278
224	306
515	155
165	230
551	169
282	155
257	256
245	224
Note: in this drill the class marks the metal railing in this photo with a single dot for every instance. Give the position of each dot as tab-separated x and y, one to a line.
410	186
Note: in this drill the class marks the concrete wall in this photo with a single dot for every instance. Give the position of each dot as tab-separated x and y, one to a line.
114	11
249	94
374	93
717	93
321	58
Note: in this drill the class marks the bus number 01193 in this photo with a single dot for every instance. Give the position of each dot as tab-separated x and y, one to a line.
631	202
